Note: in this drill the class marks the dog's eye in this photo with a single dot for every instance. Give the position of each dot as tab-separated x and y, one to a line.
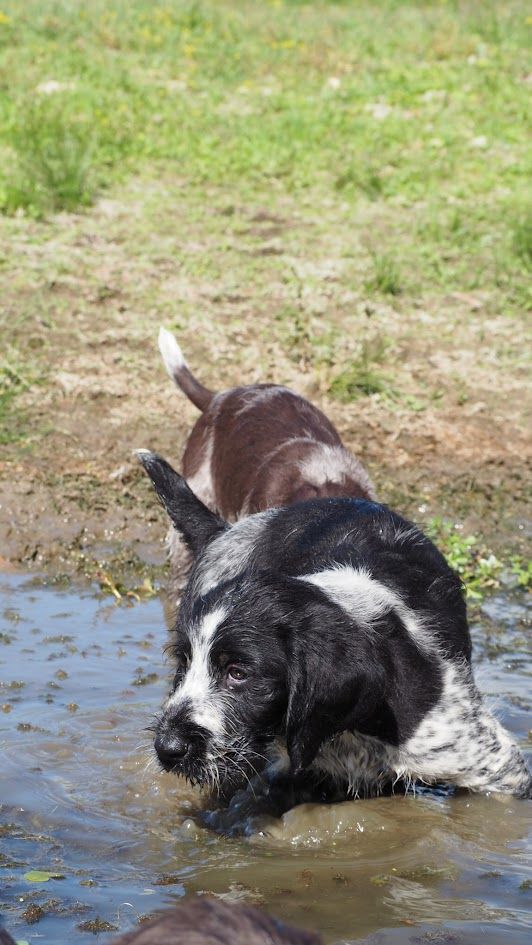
235	675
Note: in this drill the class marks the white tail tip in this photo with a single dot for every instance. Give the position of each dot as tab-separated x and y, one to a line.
171	352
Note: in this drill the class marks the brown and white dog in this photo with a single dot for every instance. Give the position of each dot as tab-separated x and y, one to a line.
260	447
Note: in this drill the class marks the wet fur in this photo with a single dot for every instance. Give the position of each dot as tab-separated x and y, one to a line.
353	633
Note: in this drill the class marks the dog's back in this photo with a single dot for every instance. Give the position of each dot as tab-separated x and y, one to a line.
261	446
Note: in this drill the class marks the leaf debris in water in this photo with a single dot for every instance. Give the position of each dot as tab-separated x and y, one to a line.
145	680
97	925
41	876
33	913
168	879
418	874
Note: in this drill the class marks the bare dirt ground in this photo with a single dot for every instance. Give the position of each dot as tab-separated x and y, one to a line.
275	291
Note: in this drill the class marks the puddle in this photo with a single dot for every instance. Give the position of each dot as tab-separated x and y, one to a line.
80	680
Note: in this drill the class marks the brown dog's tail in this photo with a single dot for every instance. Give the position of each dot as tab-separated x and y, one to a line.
178	370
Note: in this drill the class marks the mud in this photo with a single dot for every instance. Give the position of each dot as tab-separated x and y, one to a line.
443	434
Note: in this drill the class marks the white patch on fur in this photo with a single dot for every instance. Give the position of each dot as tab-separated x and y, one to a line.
334	464
210	624
171	353
202	483
199	686
229	554
366	600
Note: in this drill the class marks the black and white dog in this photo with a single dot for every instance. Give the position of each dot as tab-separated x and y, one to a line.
327	637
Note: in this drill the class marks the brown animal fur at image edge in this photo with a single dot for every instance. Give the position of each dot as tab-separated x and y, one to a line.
206	921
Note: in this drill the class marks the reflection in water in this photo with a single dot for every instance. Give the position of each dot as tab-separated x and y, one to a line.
79	682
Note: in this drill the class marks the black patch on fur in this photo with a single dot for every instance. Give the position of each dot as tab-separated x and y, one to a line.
192	519
316	535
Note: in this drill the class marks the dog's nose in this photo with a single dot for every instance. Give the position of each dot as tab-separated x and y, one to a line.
171	749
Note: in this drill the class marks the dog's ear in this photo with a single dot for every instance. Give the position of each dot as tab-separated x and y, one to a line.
336	681
192	519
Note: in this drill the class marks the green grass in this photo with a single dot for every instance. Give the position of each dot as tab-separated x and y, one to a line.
386	276
409	106
7	433
522	239
11	384
52	166
414	104
14	381
366	178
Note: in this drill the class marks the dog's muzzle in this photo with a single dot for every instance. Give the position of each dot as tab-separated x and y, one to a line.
181	745
172	749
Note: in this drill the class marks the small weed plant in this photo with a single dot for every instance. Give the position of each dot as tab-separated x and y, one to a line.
363	376
51	168
479	568
386	276
12	383
522	239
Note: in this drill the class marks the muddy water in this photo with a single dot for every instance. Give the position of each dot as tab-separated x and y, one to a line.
79	681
